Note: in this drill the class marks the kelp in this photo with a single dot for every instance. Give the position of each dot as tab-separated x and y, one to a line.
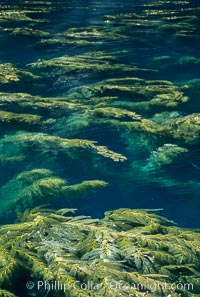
25	185
9	73
178	19
45	143
114	103
134	94
80	114
115	113
185	128
29	32
129	87
158	169
10	16
127	110
126	100
11	161
164	155
10	118
128	252
162	117
27	12
5	293
29	188
86	63
94	33
29	103
81	37
143	126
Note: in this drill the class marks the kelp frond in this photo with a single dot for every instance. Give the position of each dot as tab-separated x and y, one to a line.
10	73
29	188
45	143
5	293
17	119
121	249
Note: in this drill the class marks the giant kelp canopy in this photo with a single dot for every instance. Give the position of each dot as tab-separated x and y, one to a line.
127	253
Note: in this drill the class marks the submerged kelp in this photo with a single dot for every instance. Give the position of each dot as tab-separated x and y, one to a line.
134	93
80	37
86	63
29	188
118	85
15	120
9	73
185	128
99	110
164	155
45	143
45	106
127	253
93	82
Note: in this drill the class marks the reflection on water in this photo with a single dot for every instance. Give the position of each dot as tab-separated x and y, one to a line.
125	80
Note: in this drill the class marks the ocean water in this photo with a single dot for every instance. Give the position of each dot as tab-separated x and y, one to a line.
83	69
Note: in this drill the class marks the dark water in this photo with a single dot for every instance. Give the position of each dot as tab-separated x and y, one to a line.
159	36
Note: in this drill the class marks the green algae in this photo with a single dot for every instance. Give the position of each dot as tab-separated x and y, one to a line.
137	249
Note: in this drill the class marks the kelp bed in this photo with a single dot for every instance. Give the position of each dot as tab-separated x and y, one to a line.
96	100
127	253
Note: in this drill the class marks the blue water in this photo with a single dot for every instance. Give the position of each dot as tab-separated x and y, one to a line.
143	40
